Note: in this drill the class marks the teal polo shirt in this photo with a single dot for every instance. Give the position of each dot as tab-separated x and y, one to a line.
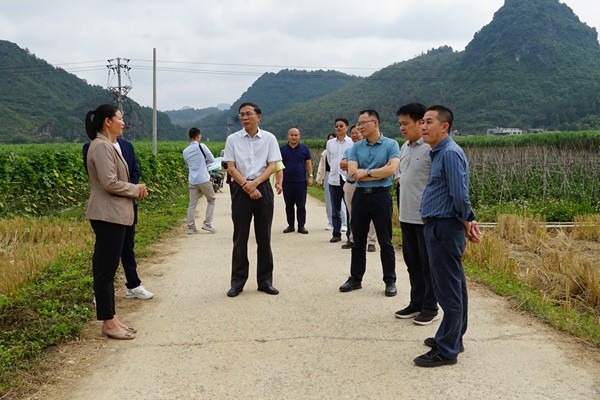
376	155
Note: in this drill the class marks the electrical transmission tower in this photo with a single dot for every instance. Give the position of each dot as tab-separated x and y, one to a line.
118	67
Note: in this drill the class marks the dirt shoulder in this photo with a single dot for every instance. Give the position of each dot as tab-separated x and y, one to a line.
310	341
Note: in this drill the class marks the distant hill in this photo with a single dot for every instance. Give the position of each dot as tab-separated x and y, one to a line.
275	92
190	116
535	65
41	103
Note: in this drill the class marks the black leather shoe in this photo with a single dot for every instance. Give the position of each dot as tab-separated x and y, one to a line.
347	245
268	290
371	248
430	342
233	292
335	239
433	358
288	229
350	285
390	289
302	230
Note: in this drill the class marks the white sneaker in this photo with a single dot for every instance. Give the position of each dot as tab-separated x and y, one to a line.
192	230
329	227
344	228
208	228
138	293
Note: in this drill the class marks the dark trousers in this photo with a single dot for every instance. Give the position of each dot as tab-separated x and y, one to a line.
446	242
337	196
294	195
128	256
243	209
416	259
376	207
105	261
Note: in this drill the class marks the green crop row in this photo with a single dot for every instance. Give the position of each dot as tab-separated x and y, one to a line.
46	179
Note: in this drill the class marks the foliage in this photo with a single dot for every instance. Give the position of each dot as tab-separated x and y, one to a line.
54	306
40	103
51	178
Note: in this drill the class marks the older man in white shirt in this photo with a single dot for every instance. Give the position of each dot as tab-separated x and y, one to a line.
251	154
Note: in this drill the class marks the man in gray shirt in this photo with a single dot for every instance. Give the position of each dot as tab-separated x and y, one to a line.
412	175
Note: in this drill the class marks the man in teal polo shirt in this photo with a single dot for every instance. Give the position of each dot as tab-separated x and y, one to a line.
372	164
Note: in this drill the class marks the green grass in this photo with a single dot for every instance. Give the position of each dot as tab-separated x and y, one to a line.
580	324
55	306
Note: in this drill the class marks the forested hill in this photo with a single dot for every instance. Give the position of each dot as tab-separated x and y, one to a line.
275	92
42	103
535	65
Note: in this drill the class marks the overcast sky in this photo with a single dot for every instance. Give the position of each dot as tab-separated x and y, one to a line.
210	52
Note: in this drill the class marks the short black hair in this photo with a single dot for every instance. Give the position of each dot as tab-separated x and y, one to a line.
344	120
255	106
194	132
414	110
370	113
444	114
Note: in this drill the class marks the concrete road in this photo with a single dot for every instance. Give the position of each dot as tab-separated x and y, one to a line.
310	341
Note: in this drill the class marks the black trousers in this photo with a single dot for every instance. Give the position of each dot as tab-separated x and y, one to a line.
416	259
376	207
294	195
243	210
105	261
337	197
128	255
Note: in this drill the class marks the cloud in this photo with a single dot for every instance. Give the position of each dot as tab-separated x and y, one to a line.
210	51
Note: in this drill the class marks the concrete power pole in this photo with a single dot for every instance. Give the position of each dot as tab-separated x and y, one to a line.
120	67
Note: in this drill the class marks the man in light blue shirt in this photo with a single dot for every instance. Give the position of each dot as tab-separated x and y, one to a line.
251	155
197	158
448	217
372	163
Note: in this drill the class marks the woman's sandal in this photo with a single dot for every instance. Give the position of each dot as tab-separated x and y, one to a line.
127	335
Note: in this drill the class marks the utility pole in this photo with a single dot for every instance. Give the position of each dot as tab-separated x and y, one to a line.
120	67
154	116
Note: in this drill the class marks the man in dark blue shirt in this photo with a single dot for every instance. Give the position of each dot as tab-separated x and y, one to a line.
297	175
448	218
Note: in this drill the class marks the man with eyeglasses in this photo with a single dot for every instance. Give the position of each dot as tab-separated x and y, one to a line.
372	164
335	149
251	155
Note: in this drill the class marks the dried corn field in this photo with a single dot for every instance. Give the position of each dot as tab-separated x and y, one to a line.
29	245
563	264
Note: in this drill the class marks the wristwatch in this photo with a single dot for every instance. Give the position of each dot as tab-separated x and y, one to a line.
369	172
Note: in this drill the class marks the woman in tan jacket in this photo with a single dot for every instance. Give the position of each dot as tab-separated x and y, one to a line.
109	210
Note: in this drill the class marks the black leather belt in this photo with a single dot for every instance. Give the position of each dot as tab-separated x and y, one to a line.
350	182
376	189
428	220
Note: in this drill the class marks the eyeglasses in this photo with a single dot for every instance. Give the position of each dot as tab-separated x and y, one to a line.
340	126
361	123
248	114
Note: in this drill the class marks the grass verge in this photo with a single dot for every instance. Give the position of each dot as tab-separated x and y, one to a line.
527	298
57	302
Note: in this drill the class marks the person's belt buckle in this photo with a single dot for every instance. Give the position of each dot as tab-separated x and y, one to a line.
368	190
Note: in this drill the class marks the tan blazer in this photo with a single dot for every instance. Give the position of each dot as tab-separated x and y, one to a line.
110	190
